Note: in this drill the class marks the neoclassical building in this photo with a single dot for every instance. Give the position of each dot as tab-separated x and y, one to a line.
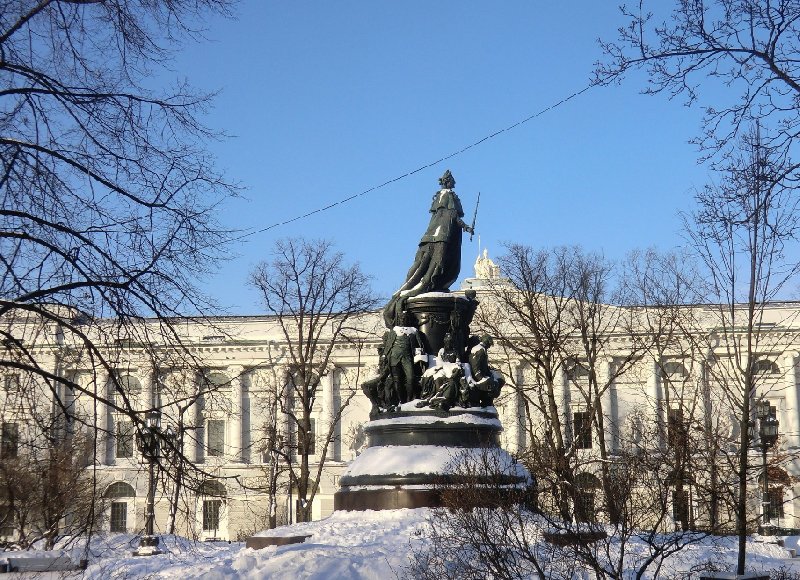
226	430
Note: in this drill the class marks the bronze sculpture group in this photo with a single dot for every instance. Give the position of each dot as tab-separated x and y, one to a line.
427	354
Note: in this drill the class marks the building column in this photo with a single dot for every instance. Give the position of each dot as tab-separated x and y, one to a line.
655	399
284	421
792	400
560	394
511	412
199	423
148	375
328	409
235	424
566	410
103	389
607	402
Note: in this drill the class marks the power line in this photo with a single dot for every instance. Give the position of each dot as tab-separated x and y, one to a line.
422	167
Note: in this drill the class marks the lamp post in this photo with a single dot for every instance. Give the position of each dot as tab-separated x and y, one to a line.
149	439
289	464
768	435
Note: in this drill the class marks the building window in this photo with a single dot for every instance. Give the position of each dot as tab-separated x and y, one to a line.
577	370
128	384
218	380
124	439
120	494
9	440
584	506
674	370
213	494
676	429
680	508
11	383
764	366
582	426
774	503
216	437
211	509
586	484
119	516
217	389
119	489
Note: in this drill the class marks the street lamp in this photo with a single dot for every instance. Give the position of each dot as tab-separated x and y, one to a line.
768	434
149	440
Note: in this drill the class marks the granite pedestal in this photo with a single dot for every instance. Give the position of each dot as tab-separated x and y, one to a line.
413	455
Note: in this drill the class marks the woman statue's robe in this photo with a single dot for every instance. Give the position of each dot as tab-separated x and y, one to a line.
438	260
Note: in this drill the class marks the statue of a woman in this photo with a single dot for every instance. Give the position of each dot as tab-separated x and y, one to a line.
438	260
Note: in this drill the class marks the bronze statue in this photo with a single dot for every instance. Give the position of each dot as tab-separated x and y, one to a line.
459	374
400	357
402	347
440	383
486	382
438	259
380	389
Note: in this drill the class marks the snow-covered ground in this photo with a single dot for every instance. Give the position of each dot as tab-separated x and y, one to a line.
346	546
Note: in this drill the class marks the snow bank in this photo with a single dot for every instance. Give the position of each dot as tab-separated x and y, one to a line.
365	545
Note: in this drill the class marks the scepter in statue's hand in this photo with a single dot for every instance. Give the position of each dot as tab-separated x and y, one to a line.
474	217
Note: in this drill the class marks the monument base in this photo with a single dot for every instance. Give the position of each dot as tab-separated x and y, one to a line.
423	458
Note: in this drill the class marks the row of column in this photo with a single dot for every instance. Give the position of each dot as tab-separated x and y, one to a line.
787	389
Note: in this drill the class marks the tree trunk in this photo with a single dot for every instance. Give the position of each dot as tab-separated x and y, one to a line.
741	500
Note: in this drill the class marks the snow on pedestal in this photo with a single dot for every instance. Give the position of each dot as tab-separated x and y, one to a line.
411	454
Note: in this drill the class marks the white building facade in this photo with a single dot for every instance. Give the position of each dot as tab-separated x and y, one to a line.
225	431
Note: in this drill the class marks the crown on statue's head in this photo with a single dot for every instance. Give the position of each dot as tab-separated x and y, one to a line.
447	181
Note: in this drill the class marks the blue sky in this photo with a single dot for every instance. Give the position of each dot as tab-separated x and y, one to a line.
325	100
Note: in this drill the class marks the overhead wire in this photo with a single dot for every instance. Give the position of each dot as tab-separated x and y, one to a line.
421	167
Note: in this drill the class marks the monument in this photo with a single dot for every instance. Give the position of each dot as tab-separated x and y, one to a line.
432	398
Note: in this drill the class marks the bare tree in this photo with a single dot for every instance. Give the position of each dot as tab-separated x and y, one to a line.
741	231
268	441
107	198
663	291
746	48
512	539
528	314
554	316
45	486
316	300
599	321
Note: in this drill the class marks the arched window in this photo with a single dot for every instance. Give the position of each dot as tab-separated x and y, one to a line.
121	495
212	494
119	489
212	488
584	480
577	370
130	384
674	370
765	366
125	383
218	379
